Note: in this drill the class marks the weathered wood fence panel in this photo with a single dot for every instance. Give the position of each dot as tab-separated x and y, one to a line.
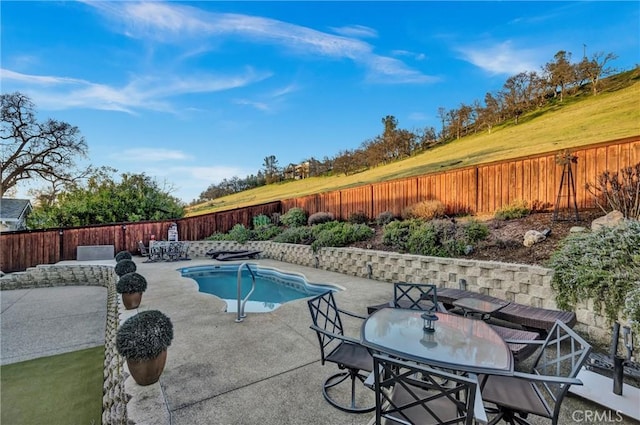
478	189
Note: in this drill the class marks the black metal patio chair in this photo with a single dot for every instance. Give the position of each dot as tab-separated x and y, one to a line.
541	391
353	360
436	397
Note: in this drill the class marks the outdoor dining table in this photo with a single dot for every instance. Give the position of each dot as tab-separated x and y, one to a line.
458	343
168	250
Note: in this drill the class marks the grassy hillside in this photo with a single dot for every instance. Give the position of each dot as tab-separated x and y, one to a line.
581	120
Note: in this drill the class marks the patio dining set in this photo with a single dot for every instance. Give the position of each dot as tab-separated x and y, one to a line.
426	364
166	251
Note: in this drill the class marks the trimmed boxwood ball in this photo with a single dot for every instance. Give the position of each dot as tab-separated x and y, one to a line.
123	255
125	266
131	283
144	336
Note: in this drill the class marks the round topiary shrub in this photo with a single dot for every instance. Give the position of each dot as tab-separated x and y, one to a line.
144	336
123	255
131	283
125	266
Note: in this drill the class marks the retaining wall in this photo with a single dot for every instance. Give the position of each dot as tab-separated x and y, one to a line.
521	283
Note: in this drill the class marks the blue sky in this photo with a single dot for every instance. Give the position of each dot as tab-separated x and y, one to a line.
191	93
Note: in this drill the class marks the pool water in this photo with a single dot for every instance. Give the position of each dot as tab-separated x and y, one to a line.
273	287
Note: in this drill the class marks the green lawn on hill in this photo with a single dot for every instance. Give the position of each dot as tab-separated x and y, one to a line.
579	121
62	389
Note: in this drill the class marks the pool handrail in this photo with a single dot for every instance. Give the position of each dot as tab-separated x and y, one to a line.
242	302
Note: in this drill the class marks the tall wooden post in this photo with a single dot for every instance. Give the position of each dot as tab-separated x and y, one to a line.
567	189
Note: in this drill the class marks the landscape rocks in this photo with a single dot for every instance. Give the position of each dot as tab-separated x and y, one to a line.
613	219
533	237
577	229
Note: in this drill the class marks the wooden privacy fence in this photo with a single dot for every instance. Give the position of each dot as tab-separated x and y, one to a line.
478	189
482	188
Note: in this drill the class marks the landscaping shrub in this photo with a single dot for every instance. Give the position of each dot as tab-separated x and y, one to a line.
299	235
319	218
618	191
358	217
239	233
475	231
632	307
123	255
437	238
601	266
340	234
265	233
294	217
384	218
125	266
396	234
131	283
218	236
515	209
261	221
425	210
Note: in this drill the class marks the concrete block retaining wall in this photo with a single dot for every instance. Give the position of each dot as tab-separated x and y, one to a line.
521	283
114	399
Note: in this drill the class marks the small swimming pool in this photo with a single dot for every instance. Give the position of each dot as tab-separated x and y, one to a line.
273	287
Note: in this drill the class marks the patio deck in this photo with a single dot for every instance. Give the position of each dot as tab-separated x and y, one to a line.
265	370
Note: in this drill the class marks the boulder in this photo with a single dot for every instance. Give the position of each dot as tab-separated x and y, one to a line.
577	229
613	219
533	237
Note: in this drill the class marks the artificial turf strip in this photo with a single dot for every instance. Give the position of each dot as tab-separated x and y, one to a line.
61	389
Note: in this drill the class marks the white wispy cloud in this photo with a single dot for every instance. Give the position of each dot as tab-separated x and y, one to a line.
262	106
173	23
152	155
412	55
501	58
360	31
149	92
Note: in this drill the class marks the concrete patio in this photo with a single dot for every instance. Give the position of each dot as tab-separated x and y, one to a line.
265	370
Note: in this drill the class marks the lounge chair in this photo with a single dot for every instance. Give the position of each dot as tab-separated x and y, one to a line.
237	255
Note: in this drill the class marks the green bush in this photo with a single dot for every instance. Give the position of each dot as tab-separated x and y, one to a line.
475	231
265	233
125	266
261	221
298	235
218	236
295	217
358	218
123	255
515	209
396	234
384	218
131	283
632	307
319	218
601	266
239	233
438	238
337	234
144	336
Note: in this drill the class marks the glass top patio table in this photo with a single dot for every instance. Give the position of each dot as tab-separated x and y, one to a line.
458	343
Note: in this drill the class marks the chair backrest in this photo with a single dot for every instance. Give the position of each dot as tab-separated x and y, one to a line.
562	355
415	296
326	316
143	249
411	393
